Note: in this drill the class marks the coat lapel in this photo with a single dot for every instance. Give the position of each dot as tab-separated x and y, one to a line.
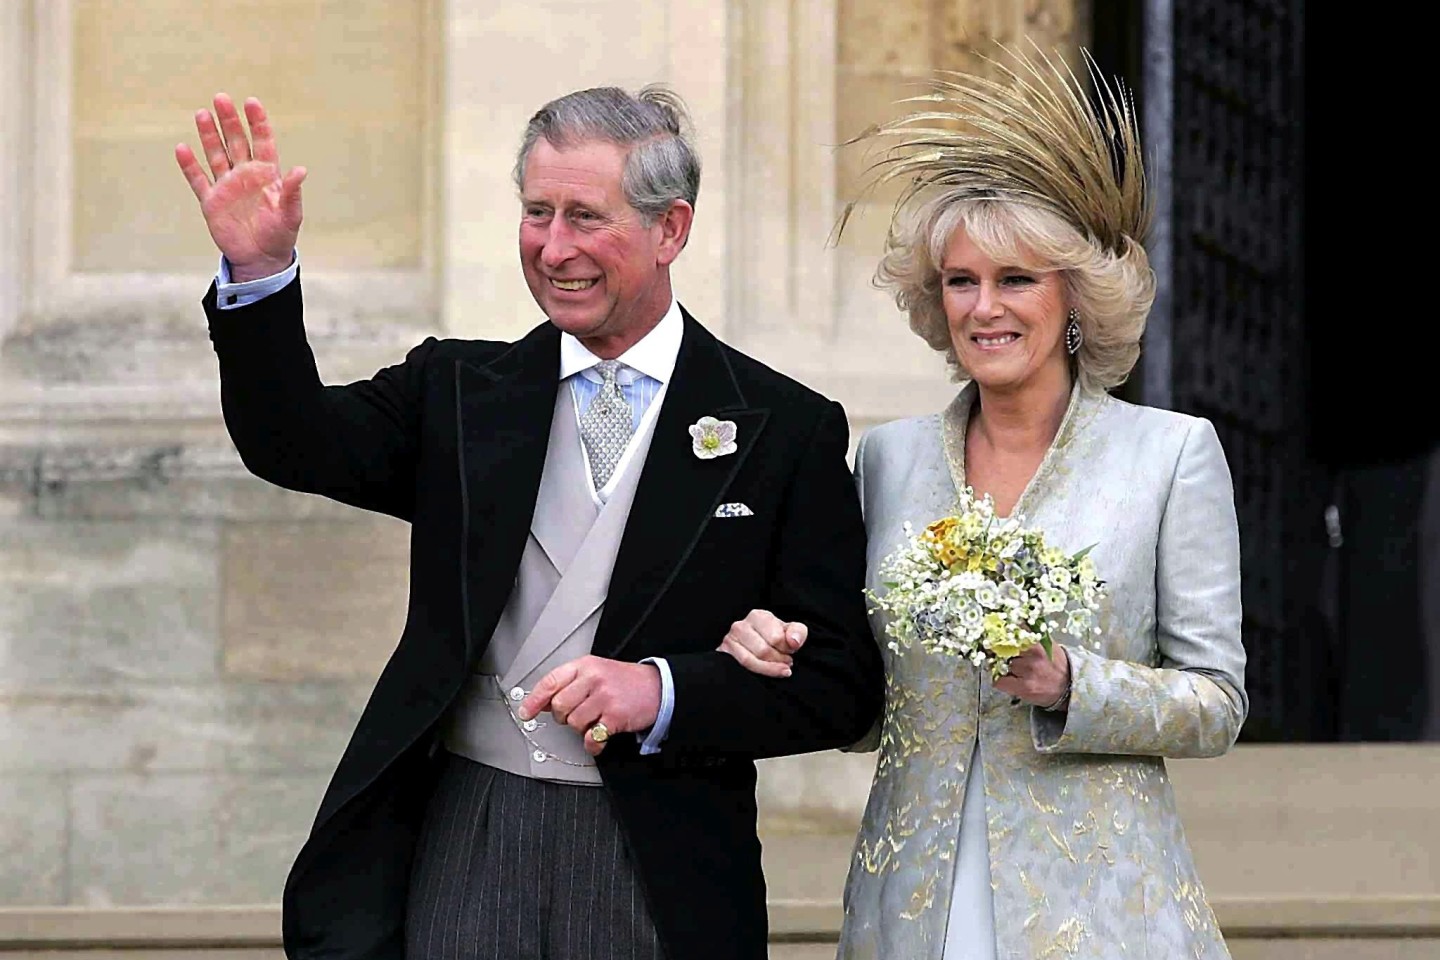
678	492
503	413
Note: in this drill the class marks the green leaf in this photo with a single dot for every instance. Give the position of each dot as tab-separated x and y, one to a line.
1083	553
1049	647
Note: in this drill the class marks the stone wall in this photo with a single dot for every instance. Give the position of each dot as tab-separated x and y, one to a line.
184	652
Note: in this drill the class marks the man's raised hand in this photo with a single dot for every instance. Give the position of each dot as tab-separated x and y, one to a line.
253	213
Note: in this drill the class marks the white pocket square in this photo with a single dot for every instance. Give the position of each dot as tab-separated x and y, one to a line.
733	510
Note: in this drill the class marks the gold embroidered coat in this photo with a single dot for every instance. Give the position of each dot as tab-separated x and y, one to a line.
1088	860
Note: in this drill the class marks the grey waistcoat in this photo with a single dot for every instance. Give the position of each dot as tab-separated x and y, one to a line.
552	613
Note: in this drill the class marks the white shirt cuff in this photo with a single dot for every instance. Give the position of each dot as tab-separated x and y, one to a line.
651	743
231	296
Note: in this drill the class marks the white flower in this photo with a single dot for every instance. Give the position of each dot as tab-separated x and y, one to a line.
1052	601
969	582
1012	594
987	596
712	438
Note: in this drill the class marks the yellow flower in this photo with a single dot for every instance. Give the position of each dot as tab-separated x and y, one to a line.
942	529
940	537
978	562
1000	641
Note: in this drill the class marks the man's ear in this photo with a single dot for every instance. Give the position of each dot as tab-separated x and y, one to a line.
674	227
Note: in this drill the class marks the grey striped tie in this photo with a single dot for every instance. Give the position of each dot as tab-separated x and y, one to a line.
606	424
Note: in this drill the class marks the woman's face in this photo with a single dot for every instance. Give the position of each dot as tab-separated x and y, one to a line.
1007	323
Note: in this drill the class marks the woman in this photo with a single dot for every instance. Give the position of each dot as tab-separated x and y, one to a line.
1031	817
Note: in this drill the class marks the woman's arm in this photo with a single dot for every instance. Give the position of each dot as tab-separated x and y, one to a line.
1193	703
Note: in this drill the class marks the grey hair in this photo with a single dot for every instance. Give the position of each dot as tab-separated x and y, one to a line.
662	165
1111	292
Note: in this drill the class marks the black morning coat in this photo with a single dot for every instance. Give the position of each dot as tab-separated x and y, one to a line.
453	440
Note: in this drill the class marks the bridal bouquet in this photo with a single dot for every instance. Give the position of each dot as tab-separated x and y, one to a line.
986	589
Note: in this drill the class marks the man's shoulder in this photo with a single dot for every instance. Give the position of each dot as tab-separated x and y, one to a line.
474	351
479	352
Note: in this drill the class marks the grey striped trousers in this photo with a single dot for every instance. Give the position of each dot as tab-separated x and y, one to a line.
509	868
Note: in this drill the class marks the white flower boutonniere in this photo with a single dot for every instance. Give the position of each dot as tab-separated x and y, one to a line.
712	438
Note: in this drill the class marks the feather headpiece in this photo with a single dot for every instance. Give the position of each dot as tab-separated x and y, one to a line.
1032	135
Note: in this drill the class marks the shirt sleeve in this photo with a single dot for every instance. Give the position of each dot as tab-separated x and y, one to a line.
230	296
650	743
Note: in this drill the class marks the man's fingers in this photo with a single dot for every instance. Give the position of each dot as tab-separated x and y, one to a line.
583	716
591	747
262	136
211	144
290	204
237	142
571	697
194	173
748	660
544	691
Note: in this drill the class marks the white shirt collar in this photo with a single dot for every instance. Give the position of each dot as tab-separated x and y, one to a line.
654	355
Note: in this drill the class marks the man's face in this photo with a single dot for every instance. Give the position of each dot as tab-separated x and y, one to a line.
593	265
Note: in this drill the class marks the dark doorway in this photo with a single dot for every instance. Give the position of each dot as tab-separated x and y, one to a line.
1334	550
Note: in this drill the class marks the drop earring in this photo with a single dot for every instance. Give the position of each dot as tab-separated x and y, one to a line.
1073	336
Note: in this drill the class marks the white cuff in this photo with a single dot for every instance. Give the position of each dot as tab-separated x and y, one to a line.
231	296
650	744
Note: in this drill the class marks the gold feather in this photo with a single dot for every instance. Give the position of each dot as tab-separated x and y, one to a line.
1031	135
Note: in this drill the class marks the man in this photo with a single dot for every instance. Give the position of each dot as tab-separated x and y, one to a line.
556	762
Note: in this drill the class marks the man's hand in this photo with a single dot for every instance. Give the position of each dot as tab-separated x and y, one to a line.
764	644
252	212
623	696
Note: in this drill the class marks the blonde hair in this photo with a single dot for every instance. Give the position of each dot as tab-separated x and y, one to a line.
1111	291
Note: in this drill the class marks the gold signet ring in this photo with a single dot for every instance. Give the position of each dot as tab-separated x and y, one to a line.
599	732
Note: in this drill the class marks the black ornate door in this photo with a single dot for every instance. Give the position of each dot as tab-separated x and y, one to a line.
1238	334
1231	315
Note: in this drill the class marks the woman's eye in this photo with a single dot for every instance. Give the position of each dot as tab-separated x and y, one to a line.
958	282
1019	280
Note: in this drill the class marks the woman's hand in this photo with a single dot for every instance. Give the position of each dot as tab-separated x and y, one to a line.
1038	679
253	213
763	643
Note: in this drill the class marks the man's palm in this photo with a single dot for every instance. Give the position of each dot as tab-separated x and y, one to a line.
252	212
246	216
